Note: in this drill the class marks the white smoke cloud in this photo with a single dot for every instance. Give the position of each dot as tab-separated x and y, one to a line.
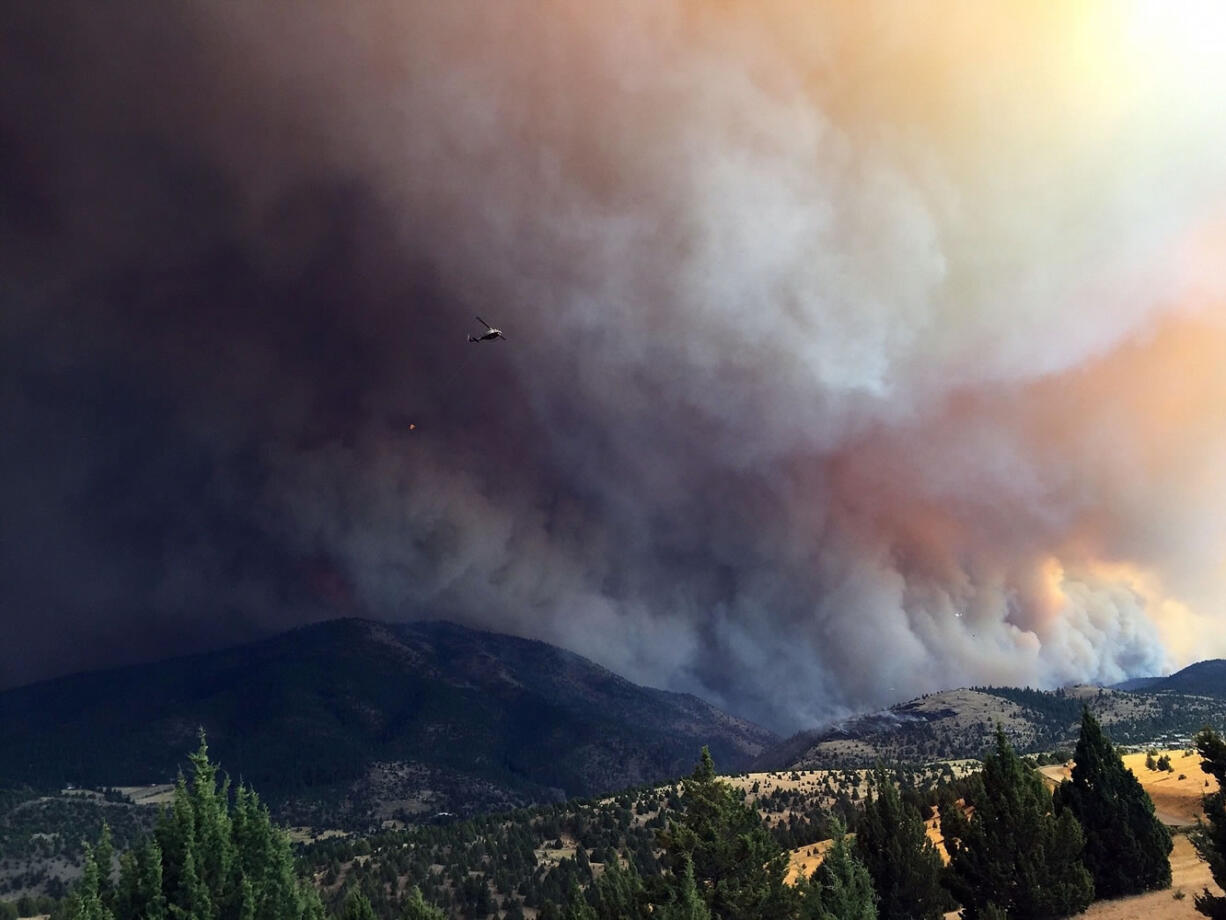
843	341
787	307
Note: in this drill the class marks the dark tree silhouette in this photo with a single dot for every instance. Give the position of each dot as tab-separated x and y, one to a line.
1013	855
1127	849
1210	838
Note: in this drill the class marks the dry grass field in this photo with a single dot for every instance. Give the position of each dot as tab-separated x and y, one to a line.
1177	795
1188	876
150	795
1177	802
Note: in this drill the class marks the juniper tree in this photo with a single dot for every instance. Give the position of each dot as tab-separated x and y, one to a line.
357	907
104	855
86	902
1013	855
206	860
1210	838
619	894
1127	849
577	907
686	903
738	867
893	845
416	908
841	887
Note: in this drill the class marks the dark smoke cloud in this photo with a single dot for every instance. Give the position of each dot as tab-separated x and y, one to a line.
803	400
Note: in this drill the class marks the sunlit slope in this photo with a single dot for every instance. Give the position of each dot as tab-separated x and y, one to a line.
959	724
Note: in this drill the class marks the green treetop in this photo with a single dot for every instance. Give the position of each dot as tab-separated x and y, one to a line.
1013	855
737	866
208	859
416	908
841	887
894	847
1127	848
1210	838
687	904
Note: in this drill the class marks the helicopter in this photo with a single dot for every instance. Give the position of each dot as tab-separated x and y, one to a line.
489	335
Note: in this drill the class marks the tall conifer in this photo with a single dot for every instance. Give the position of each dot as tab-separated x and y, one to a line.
1127	849
894	847
206	860
357	907
738	867
416	908
86	902
841	887
686	903
1210	838
1013	854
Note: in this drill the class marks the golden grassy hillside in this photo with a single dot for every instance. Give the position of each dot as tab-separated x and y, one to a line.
1177	795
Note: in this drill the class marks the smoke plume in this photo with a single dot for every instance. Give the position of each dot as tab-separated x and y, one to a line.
850	354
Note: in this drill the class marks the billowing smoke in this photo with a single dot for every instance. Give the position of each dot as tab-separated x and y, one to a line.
849	355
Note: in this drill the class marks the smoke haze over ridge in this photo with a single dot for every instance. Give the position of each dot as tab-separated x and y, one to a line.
850	355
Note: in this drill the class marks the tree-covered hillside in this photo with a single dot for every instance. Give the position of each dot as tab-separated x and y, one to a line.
956	724
352	722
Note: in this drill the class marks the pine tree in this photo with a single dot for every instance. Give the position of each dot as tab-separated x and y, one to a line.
357	907
687	904
738	867
902	861
618	894
841	887
175	834
104	855
86	902
192	898
205	861
1013	854
577	907
139	893
214	852
1210	839
416	908
1127	848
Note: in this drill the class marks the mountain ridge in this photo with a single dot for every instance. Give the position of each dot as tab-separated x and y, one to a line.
358	719
957	724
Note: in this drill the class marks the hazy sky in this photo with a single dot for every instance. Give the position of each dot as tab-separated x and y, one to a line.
850	355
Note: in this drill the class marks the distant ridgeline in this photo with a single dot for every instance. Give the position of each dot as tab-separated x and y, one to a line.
349	721
958	724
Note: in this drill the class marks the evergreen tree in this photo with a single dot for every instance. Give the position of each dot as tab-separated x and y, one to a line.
205	861
357	907
139	893
86	902
841	887
687	904
738	867
618	894
1013	854
577	907
192	898
416	908
905	866
1127	849
214	846
104	855
1210	839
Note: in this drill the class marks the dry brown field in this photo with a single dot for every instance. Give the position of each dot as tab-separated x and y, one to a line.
1177	801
